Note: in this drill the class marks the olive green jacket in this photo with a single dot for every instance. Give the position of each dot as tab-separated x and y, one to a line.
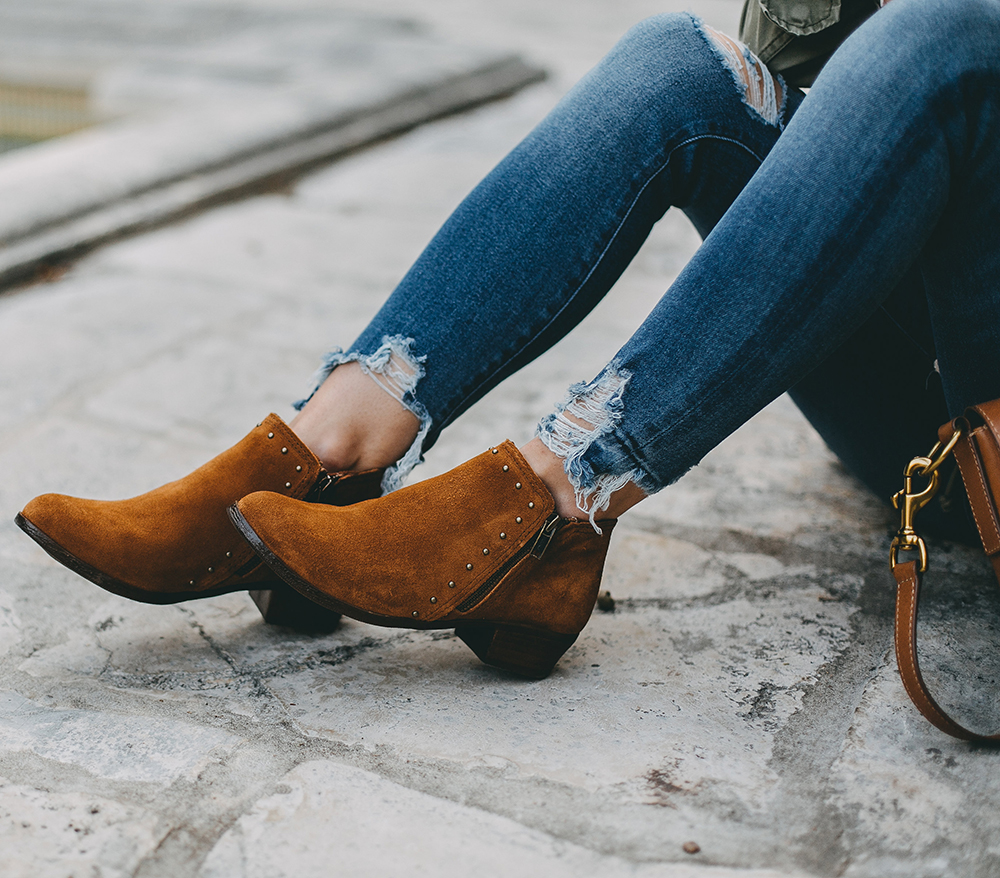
796	37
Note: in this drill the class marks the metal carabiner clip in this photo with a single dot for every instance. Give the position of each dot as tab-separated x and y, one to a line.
909	503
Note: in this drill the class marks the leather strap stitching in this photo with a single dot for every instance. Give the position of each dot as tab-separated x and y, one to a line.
907	597
982	483
986	417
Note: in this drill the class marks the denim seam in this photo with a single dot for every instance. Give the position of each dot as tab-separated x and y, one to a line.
597	262
833	257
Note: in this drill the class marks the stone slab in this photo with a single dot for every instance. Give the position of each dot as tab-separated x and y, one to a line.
204	108
53	835
324	813
742	695
114	747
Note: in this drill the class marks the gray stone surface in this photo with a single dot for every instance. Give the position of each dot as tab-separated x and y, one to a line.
202	102
742	695
323	812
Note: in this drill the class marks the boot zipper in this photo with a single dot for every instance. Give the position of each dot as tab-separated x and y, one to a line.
322	485
552	524
535	547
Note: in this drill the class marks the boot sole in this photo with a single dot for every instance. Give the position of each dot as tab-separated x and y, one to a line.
278	604
528	652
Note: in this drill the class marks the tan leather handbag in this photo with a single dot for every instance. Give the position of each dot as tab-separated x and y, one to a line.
974	439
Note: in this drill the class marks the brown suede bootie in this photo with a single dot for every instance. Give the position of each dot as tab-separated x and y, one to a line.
176	542
479	549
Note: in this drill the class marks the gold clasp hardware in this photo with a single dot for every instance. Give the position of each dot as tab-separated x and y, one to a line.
909	502
939	453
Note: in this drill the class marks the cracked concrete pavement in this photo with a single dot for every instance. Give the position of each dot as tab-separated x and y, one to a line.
742	695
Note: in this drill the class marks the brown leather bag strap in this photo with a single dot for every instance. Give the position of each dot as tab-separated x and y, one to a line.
908	581
975	441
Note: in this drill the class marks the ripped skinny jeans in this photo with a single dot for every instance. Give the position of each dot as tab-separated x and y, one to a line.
851	251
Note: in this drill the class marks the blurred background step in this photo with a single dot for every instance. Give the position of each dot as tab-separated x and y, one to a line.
160	110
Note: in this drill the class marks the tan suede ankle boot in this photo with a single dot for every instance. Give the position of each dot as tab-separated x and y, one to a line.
176	542
479	549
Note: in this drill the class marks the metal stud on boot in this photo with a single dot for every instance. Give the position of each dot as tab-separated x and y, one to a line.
175	543
479	549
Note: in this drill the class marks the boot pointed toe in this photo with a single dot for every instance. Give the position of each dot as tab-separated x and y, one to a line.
175	542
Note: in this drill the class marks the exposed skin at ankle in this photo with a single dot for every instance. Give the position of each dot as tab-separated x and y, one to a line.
353	424
549	468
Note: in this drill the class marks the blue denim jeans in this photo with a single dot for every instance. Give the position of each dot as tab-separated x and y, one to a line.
851	252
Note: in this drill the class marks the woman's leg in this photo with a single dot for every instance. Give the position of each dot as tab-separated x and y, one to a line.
892	159
660	121
891	162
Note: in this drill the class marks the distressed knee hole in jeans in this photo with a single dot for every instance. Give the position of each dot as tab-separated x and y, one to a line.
589	412
763	92
393	367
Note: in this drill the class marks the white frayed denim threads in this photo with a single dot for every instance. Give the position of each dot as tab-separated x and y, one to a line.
587	413
757	84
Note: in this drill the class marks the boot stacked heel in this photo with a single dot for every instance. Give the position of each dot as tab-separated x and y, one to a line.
286	607
480	549
521	651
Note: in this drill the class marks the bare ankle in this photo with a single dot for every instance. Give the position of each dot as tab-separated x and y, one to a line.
548	466
353	424
335	451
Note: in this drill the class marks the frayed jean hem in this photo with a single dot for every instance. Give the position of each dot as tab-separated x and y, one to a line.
394	368
582	432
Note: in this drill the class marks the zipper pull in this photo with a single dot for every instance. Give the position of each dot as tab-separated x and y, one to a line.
322	485
545	535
